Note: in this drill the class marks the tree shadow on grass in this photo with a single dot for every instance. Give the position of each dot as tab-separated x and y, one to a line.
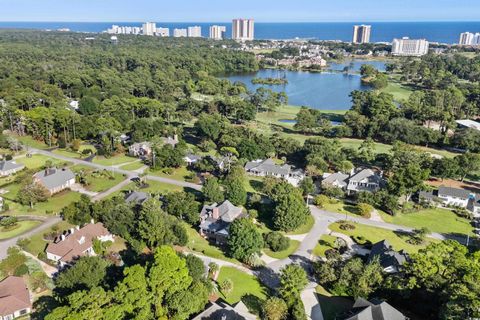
253	303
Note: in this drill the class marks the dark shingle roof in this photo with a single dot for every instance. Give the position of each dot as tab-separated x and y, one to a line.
453	192
387	256
374	310
268	166
136	197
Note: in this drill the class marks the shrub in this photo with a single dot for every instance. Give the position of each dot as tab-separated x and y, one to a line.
21	270
364	209
276	241
463	213
9	222
346	226
254	261
23	242
42	256
226	286
168	171
321	201
361	240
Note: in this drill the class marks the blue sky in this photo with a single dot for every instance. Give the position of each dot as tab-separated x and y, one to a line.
225	10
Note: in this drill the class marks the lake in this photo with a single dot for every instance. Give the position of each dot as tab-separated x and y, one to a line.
325	90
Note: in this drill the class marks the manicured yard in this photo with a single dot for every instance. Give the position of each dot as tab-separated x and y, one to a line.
199	244
325	243
21	227
133	166
30	142
99	180
374	235
436	220
37	161
285	253
305	228
243	284
113	161
332	306
37	244
52	206
179	174
157	186
399	91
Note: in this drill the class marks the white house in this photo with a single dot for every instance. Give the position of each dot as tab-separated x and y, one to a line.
268	168
76	243
55	180
15	299
357	181
10	167
453	197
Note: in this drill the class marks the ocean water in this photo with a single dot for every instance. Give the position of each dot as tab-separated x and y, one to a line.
444	32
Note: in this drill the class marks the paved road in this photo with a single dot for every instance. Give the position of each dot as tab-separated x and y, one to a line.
125	172
5	244
113	189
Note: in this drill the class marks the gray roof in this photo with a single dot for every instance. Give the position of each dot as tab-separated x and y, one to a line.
136	197
366	174
453	192
193	157
374	310
10	165
52	178
337	178
268	166
387	256
228	212
223	311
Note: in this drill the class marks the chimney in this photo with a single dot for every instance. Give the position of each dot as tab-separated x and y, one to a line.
62	237
175	137
72	230
216	213
92	221
77	227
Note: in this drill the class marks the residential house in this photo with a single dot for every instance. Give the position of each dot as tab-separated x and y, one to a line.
55	180
191	159
374	310
474	205
216	218
390	260
15	299
136	197
447	196
468	124
10	167
268	168
357	181
220	310
76	243
140	149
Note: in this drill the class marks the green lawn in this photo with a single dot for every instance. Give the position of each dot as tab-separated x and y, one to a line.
243	284
374	235
113	161
37	244
199	244
52	206
99	180
133	166
29	141
37	161
399	91
179	174
284	253
305	228
332	306
436	220
325	243
21	227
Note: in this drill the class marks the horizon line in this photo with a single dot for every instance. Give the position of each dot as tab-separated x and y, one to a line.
229	21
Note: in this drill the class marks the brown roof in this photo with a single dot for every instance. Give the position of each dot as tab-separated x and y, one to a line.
76	243
14	295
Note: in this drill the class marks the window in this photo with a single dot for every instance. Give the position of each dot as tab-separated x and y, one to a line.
24	311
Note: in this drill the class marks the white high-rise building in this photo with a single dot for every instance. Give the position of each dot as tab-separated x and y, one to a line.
149	28
179	33
466	39
217	32
195	32
409	47
361	34
476	39
163	32
243	29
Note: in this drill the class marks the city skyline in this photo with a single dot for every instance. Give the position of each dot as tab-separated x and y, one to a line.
218	11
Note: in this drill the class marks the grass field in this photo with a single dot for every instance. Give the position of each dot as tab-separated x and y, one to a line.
30	142
374	235
133	166
22	226
325	243
243	284
436	220
399	91
284	253
99	180
199	244
37	161
113	161
179	174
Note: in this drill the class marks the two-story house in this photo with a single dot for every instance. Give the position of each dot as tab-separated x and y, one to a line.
357	181
216	219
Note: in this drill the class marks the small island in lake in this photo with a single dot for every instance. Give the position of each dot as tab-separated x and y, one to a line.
270	81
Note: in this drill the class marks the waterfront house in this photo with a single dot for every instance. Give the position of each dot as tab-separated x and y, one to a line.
15	298
77	242
55	180
215	220
8	168
268	168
